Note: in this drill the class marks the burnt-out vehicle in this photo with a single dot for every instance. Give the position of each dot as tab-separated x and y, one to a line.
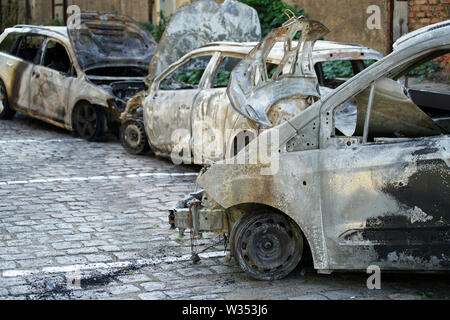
189	117
376	193
77	77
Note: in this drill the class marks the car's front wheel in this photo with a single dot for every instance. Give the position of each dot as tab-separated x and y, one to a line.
133	138
6	113
89	121
267	245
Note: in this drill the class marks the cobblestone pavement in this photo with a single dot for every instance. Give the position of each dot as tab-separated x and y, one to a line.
71	209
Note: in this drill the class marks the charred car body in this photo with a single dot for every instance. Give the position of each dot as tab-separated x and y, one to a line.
78	78
375	193
187	103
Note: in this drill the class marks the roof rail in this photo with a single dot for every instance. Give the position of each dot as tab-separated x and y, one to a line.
45	28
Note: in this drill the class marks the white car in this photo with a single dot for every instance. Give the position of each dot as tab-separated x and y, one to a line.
78	78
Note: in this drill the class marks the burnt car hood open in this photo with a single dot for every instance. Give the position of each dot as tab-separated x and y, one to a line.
107	40
201	23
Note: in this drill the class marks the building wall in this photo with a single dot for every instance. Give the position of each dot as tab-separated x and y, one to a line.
347	20
425	12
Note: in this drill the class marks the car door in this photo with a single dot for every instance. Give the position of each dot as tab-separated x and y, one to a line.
385	201
211	112
50	82
171	106
23	54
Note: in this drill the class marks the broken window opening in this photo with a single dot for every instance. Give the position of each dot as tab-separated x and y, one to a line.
397	112
29	48
222	77
57	58
9	44
332	74
187	76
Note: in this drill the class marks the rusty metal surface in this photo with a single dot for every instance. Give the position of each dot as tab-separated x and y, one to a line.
109	39
200	23
383	202
253	92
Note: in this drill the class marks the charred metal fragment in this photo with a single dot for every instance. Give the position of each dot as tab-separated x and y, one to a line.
253	92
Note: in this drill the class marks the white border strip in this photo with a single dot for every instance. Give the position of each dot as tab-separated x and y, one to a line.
112	265
42	141
98	178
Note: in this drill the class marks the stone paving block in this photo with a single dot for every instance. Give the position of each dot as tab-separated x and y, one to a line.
70	260
98	258
133	278
156	295
119	290
153	286
192	272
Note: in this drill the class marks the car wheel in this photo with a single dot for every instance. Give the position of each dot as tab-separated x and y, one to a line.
133	138
89	122
267	245
6	113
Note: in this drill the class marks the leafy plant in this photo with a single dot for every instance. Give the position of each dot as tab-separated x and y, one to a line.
192	77
54	23
223	77
337	69
157	30
271	13
424	71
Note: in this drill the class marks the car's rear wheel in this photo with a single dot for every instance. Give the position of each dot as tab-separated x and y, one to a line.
133	138
89	121
267	245
6	113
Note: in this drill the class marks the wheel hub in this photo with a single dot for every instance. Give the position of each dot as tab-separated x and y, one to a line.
133	136
267	246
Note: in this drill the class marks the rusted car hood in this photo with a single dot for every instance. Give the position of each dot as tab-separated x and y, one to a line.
103	40
203	22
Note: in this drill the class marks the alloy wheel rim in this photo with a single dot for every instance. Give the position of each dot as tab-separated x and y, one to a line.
86	121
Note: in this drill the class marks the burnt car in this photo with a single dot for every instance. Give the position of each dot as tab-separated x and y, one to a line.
77	77
376	193
189	117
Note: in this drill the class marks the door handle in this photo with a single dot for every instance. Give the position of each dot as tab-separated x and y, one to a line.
9	65
36	75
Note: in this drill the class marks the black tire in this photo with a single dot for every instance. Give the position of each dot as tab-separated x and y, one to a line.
267	245
6	113
89	122
133	137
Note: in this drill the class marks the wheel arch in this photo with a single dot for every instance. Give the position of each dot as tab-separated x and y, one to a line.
81	102
243	208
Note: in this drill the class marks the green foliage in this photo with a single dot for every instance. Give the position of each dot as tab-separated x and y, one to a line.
337	69
54	23
157	30
192	77
223	78
424	71
368	63
271	13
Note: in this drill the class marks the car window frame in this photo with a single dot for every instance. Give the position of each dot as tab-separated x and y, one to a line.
179	64
14	46
39	52
73	71
220	57
330	107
